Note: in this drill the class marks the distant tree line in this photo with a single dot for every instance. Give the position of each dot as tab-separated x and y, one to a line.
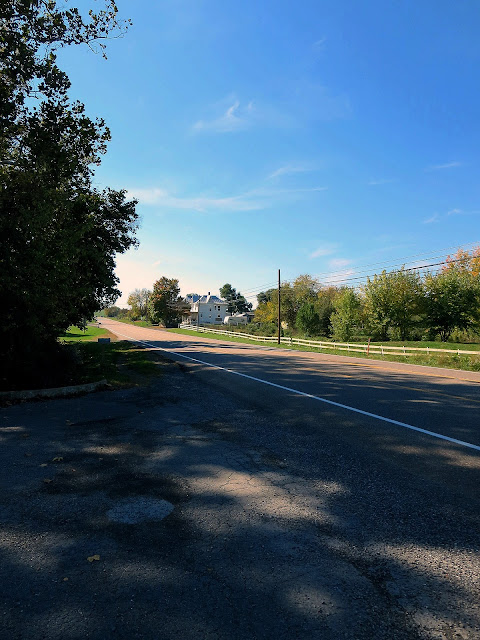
399	305
396	305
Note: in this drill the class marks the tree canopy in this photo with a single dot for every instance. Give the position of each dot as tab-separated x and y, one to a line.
393	300
59	234
452	301
138	301
236	302
165	300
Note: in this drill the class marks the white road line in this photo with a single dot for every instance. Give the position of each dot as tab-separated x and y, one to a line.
308	395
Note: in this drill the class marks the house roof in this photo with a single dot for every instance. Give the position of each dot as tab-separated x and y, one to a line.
208	299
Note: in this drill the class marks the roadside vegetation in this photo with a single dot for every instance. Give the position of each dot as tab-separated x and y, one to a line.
82	359
120	362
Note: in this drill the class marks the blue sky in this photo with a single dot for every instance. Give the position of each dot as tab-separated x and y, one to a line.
315	137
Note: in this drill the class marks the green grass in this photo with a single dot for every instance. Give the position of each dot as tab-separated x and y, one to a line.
448	360
120	362
474	346
75	334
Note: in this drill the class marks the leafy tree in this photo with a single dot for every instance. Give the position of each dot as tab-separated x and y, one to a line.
308	320
452	301
112	312
59	234
138	301
164	301
325	307
306	289
266	296
266	312
393	300
236	302
303	290
347	313
468	261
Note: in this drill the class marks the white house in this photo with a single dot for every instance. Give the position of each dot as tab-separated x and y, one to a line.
205	309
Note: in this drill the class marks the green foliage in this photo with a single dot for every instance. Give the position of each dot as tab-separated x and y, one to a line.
293	295
308	320
325	307
138	301
452	301
236	302
164	301
59	234
346	316
266	296
114	312
393	300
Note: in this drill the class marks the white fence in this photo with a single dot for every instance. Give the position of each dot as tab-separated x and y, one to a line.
337	346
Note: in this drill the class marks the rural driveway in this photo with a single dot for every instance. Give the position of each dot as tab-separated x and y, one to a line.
214	505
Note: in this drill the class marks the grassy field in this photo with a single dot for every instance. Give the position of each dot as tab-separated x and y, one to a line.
448	360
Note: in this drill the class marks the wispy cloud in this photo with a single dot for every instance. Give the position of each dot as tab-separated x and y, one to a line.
452	212
338	263
324	250
447	165
319	45
373	183
287	169
163	198
231	115
307	103
252	200
235	118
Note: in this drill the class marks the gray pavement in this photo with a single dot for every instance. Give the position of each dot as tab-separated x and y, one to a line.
223	508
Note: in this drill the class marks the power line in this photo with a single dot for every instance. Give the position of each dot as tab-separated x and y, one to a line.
338	281
336	276
417	268
440	253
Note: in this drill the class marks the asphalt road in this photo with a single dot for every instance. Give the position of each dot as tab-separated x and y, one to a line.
285	516
441	401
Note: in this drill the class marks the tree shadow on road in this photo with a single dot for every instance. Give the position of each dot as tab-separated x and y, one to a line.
281	528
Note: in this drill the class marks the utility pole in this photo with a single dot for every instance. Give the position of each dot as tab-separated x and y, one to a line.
279	324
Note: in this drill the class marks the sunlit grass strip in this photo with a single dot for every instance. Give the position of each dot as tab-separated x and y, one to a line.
75	334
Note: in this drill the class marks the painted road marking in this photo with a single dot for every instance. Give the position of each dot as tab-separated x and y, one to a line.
312	397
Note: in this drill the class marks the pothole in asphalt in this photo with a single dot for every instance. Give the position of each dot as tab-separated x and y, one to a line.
136	510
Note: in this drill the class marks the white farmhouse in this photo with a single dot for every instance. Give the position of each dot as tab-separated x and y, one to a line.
205	309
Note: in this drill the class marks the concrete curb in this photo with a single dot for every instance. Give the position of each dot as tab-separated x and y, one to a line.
57	392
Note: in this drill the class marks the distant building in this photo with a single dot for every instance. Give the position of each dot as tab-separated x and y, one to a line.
205	309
